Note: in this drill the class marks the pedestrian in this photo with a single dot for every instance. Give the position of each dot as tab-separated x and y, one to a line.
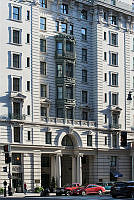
25	188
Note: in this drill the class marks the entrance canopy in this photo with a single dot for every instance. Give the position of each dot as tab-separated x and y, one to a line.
116	174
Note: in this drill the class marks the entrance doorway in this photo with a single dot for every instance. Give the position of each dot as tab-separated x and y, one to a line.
66	170
45	170
17	182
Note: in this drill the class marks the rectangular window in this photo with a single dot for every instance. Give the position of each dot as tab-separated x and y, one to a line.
105	118
43	68
16	158
28	15
114	39
59	48
69	46
105	76
60	112
105	16
70	113
69	92
29	135
59	92
57	26
115	120
113	161
48	137
16	13
105	140
16	37
71	29
114	59
28	85
114	140
114	20
89	140
42	23
28	38
84	76
28	110
43	89
43	3
124	139
63	27
42	45
16	60
59	70
105	56
84	115
105	100
28	62
114	99
16	111
113	2
69	70
84	55
84	33
16	134
16	84
84	97
43	111
84	14
105	36
114	79
64	8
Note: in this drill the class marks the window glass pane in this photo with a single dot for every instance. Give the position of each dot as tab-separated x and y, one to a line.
16	84
48	137
42	45
89	140
59	70
16	158
16	36
59	92
16	61
16	134
16	13
63	28
43	68
43	3
43	90
42	23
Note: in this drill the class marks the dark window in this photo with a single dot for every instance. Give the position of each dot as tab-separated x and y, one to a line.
84	97
16	13
84	55
69	70
105	100
59	70
84	115
114	99
89	140
16	134
59	48
105	77
43	111
114	20
84	14
60	112
42	45
69	46
16	110
48	137
43	3
105	140
28	135
16	60
84	33
63	27
59	92
113	161
84	76
64	8
105	36
67	141
28	15
123	139
28	38
115	79
105	118
105	16
70	113
28	110
42	23
71	29
28	85
43	68
69	92
28	62
57	26
114	140
16	84
114	59
105	56
16	158
43	90
16	37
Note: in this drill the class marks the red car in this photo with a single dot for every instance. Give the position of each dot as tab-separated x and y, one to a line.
89	189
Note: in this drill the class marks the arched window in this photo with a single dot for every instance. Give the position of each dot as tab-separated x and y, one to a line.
67	141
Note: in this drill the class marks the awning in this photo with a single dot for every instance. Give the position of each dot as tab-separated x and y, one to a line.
116	174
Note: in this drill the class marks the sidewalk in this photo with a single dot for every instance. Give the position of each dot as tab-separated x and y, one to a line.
27	195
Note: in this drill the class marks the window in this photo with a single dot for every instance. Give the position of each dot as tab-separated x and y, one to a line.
43	68
115	120
124	139
114	98
59	70
42	45
28	110
59	47
60	112
43	90
105	100
42	23
84	97
69	46
29	135
105	56
16	134
63	27
57	26
84	55
105	76
114	20
105	16
113	161
16	61
28	38
16	110
64	8
105	118
84	76
84	115
28	15
16	84
105	140
16	158
89	140
114	39
28	62
114	140
16	37
59	92
28	85
71	29
84	14
43	3
16	13
113	2
105	36
114	79
69	92
84	33
70	113
48	137
69	70
43	111
113	59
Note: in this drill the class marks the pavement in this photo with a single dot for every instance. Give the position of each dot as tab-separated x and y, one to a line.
27	195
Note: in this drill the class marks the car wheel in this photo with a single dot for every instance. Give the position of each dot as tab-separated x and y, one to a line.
68	193
113	196
83	193
100	192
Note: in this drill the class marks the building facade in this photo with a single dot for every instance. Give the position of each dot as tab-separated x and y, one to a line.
66	92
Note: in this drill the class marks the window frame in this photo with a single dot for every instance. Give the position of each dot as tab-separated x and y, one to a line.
64	8
48	137
89	141
84	55
43	23
43	3
42	45
43	68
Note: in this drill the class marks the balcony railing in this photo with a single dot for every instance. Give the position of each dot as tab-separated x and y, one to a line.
116	126
18	117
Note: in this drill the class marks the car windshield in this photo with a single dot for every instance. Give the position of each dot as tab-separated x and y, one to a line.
120	184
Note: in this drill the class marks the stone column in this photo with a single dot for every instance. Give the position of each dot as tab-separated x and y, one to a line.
74	170
58	170
53	168
79	169
37	168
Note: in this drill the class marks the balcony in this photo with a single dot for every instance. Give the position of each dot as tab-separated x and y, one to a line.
115	126
66	80
17	116
70	102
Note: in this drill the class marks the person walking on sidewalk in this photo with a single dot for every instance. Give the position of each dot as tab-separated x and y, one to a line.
25	188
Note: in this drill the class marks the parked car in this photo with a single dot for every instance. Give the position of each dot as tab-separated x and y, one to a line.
125	189
89	189
106	185
67	189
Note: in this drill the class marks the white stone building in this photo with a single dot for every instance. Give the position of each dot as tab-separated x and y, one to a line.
67	67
